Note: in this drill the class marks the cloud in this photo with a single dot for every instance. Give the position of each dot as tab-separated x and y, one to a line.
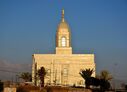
9	70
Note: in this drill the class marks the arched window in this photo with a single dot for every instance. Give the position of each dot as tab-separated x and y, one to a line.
63	41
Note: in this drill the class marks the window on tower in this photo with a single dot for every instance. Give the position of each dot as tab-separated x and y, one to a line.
63	41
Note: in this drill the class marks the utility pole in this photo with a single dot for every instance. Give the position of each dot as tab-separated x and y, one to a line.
115	77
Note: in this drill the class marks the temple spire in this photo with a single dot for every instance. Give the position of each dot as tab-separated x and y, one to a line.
62	15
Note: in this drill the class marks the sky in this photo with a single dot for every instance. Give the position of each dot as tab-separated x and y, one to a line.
97	26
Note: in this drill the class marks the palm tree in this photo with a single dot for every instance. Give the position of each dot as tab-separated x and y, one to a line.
26	76
41	74
86	75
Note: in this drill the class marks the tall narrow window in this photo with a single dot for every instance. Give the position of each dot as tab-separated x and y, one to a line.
65	72
63	41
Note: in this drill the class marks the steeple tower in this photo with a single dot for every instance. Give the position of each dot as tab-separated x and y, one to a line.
63	37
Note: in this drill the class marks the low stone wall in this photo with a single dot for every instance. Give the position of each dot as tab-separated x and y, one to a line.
35	91
51	89
65	89
79	90
9	89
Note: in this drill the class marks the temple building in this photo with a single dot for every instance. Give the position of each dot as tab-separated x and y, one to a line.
62	67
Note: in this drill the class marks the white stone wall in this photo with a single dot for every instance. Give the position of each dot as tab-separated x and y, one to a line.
64	69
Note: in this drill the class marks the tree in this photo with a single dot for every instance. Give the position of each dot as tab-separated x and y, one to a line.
26	76
126	86
1	86
41	74
86	74
105	77
102	80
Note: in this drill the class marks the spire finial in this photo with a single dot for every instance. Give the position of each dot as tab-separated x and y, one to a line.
62	15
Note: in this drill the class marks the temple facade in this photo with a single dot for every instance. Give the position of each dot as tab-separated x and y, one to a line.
62	67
